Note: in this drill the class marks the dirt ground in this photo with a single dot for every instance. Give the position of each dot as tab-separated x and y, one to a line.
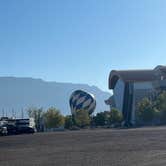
104	147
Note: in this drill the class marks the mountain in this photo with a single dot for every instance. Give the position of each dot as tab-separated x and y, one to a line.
22	93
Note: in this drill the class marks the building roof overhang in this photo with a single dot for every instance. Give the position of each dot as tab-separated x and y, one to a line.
136	75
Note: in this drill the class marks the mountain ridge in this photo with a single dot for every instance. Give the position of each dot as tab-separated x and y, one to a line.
22	92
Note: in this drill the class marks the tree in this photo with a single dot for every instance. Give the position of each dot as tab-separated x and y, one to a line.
68	122
115	116
146	111
102	118
53	118
82	118
37	114
160	105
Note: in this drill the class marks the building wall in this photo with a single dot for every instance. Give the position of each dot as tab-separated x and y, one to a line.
119	94
143	85
140	90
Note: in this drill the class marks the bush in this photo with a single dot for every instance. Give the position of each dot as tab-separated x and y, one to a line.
68	122
160	105
146	113
53	118
82	118
102	118
115	116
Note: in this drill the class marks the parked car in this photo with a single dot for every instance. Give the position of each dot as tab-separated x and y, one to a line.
25	129
3	131
11	129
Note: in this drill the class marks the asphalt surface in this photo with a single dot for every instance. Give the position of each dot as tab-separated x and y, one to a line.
104	147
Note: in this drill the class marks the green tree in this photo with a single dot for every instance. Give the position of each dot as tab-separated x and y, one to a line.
82	118
102	118
160	105
53	118
68	122
146	111
37	114
115	116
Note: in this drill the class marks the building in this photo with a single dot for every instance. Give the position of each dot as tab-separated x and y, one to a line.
130	86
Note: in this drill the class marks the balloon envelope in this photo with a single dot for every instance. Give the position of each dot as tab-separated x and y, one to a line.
81	100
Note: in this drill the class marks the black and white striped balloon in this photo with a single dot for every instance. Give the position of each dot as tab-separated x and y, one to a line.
81	100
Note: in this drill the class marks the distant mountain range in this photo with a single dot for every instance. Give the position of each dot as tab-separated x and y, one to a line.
21	93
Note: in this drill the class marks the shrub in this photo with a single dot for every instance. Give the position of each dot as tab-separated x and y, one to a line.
102	118
68	122
160	104
115	116
82	118
146	112
53	118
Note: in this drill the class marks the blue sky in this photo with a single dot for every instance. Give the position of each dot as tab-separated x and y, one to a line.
80	41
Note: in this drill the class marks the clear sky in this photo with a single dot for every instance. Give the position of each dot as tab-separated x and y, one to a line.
80	41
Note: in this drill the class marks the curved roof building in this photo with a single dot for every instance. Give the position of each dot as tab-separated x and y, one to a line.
130	86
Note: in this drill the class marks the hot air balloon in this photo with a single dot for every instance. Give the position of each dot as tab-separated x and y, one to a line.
81	100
